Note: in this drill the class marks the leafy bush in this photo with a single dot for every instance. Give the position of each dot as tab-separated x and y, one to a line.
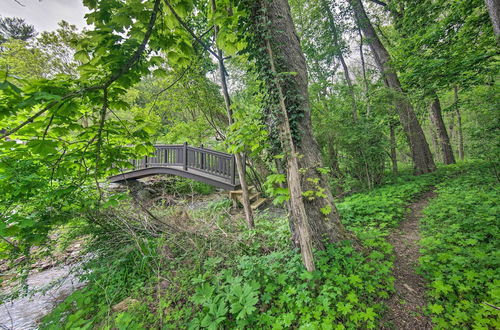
383	207
275	291
461	250
222	276
211	272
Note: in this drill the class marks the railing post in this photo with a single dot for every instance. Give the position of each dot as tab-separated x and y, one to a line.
202	158
185	156
233	170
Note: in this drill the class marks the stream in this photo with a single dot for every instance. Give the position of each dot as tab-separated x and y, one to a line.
50	287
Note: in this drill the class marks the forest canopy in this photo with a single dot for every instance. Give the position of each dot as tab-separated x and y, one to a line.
340	114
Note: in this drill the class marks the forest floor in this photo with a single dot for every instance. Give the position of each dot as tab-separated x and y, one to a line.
407	304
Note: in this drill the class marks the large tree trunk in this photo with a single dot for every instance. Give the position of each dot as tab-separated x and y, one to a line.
313	215
494	10
444	141
459	127
238	156
420	151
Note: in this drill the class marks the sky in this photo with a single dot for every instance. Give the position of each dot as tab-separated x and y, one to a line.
45	14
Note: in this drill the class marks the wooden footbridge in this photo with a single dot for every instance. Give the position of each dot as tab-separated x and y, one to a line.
209	166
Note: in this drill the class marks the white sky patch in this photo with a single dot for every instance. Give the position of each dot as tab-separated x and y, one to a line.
45	14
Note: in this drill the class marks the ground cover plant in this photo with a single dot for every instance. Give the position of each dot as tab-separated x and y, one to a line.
232	278
227	278
460	250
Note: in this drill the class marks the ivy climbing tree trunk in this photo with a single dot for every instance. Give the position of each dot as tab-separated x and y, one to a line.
238	156
313	215
420	151
442	134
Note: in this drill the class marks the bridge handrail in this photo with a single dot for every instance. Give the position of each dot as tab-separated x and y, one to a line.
225	170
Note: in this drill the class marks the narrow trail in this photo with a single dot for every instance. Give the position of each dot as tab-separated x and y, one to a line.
407	304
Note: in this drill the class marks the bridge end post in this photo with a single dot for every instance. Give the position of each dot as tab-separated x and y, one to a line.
185	151
233	170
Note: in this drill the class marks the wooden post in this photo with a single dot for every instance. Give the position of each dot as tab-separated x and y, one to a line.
233	169
202	158
185	156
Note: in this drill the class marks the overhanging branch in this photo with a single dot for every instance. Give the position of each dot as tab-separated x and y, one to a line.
131	62
188	29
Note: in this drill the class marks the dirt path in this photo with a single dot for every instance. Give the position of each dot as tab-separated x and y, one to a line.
408	302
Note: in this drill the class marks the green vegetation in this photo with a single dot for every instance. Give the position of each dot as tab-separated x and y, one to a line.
342	129
231	278
460	250
227	278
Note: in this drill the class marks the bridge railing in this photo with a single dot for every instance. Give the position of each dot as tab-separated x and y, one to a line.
212	162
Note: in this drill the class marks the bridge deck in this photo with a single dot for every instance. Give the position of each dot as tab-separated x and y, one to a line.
212	167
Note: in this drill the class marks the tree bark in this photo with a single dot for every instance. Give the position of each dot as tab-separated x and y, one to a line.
420	151
459	127
313	213
452	128
494	11
434	142
363	69
442	134
238	156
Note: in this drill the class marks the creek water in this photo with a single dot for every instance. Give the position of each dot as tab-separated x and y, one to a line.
48	288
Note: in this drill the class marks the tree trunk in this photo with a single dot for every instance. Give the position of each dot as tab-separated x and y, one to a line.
314	216
443	139
420	151
452	128
394	159
363	69
494	11
238	156
459	127
435	143
336	42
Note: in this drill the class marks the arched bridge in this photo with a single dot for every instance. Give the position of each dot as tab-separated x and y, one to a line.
209	166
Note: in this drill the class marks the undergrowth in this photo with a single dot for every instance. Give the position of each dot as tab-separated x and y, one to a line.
203	269
461	250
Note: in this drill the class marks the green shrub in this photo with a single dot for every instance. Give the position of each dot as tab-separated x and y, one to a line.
275	291
461	250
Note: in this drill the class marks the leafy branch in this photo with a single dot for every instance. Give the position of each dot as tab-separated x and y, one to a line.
189	30
124	69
